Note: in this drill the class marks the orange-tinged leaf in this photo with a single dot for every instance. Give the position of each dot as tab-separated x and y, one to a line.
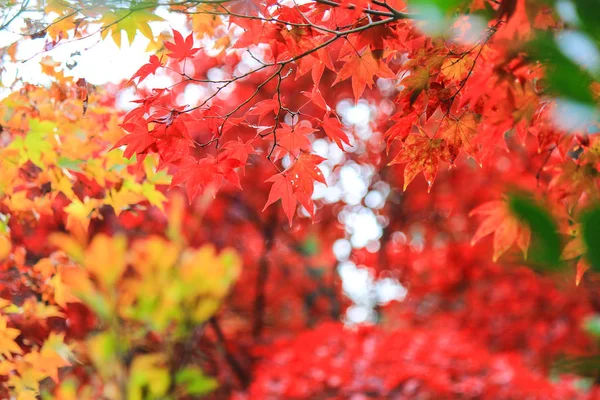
361	67
457	68
524	239
575	248
205	23
499	220
62	292
80	213
5	247
421	154
459	134
69	245
504	237
582	267
415	83
53	355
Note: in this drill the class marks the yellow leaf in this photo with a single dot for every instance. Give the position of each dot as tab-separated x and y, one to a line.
27	394
38	310
69	245
104	349
153	196
457	68
205	24
6	367
7	335
80	213
129	21
27	382
68	390
5	247
55	6
63	184
62	292
18	202
151	372
61	26
105	258
121	200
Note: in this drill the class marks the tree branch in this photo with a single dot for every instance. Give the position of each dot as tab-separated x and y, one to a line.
263	275
231	360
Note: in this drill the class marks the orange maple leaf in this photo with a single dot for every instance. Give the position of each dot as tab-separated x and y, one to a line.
574	249
420	153
362	67
504	224
459	134
457	68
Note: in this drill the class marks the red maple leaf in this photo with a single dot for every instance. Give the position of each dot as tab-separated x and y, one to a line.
264	107
282	189
401	129
303	174
147	69
293	139
296	183
317	98
333	130
199	176
182	48
137	142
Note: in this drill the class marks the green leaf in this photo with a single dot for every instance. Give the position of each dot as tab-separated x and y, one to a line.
195	382
442	6
34	144
67	163
588	13
4	218
564	77
310	246
590	232
592	326
41	127
545	240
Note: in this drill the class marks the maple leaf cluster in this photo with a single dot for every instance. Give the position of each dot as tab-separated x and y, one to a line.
233	233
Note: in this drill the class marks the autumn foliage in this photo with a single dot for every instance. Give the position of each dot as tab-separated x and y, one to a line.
237	231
